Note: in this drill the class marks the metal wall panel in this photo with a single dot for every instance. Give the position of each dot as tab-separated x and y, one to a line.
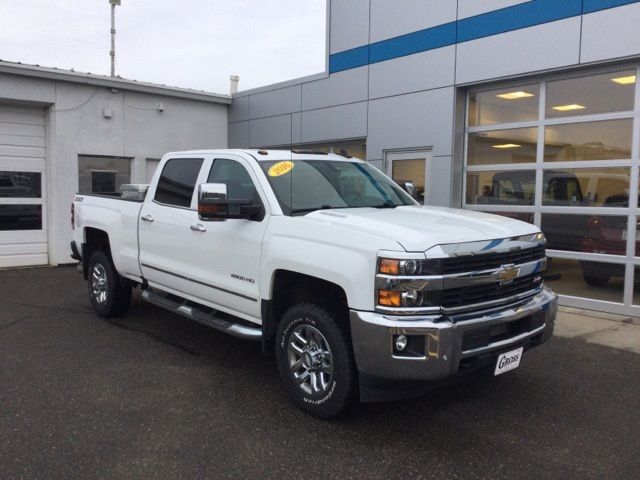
275	102
335	123
239	109
422	71
610	33
521	51
349	24
469	8
272	131
390	19
239	135
423	119
349	86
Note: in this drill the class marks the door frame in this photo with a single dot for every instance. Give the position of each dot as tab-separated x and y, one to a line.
392	155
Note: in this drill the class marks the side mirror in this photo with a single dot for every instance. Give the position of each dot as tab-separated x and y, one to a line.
213	204
410	188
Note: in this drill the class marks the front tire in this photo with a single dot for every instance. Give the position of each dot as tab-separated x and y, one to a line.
315	361
109	293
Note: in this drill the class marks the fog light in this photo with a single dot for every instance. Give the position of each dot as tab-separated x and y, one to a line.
401	343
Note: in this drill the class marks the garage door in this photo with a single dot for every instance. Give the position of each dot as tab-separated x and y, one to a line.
23	220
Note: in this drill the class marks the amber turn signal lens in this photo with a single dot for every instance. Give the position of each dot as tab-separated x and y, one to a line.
389	298
389	266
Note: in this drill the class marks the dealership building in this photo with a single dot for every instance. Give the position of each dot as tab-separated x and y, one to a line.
522	108
527	109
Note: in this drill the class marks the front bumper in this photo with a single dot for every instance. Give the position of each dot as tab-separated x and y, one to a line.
453	345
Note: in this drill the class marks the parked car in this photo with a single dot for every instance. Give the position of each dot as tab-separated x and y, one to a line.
559	188
606	234
361	292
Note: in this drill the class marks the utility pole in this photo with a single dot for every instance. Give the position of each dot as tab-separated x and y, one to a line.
112	53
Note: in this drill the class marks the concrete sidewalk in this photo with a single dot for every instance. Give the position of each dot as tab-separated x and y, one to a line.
599	328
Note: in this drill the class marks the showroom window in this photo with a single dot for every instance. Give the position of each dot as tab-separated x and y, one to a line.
356	149
562	153
102	174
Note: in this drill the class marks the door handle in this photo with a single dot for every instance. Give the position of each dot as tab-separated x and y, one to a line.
198	227
147	218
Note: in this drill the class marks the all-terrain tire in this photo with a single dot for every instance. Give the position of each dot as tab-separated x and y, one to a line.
327	349
110	294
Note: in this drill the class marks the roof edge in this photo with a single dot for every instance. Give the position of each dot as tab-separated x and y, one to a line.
110	82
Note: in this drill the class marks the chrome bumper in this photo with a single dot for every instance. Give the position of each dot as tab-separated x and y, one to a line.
443	354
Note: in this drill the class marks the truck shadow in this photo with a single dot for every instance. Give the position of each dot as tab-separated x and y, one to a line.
513	394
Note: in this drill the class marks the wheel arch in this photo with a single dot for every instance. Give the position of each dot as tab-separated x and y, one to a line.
289	288
94	239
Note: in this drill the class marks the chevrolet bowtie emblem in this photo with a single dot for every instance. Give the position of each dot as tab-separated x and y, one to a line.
508	273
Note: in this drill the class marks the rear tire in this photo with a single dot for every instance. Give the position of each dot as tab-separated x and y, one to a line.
110	294
315	361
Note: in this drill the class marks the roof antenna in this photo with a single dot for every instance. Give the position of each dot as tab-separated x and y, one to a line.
112	53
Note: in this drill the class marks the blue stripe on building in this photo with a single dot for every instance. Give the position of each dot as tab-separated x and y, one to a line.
516	17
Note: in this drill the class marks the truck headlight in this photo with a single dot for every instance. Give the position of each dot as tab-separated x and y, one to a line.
410	267
410	299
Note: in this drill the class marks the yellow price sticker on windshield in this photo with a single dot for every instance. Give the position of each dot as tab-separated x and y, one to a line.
280	168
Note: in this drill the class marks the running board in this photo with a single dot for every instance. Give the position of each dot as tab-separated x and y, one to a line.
209	319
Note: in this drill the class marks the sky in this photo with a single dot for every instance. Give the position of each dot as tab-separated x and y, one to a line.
185	43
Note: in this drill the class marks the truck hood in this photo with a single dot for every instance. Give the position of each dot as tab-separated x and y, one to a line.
418	228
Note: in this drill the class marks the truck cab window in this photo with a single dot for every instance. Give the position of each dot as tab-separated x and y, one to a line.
177	182
235	176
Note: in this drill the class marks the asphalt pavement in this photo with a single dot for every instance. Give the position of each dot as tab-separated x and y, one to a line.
153	395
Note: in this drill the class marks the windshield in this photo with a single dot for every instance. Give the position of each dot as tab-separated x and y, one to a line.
303	186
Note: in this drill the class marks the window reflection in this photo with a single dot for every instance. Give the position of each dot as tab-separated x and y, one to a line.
20	217
504	106
605	140
608	92
502	146
20	184
515	187
591	187
585	233
595	280
102	174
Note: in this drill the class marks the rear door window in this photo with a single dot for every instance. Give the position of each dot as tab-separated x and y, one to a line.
178	181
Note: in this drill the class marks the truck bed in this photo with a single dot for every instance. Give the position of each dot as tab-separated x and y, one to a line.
119	218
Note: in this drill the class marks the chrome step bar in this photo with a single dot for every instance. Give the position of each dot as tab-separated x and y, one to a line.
209	319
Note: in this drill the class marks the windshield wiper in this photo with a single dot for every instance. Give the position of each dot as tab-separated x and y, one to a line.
312	209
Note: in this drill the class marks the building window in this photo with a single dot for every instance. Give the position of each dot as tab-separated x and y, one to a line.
559	153
103	174
21	200
356	149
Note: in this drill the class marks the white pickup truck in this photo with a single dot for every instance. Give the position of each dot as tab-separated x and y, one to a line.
362	292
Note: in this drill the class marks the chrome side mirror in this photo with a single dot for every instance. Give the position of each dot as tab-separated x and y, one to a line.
213	204
217	191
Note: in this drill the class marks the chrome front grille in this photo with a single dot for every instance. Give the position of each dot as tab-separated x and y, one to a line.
486	261
478	297
470	277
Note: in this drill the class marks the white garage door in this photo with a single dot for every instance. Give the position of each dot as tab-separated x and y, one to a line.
23	219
